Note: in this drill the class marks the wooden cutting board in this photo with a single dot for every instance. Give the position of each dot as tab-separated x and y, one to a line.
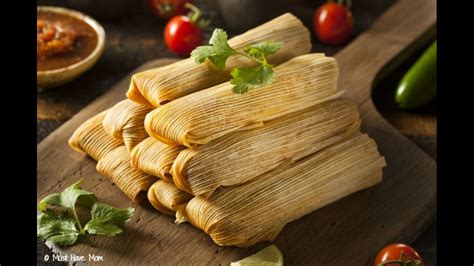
348	232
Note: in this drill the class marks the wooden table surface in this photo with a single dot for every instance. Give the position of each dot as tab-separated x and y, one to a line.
137	38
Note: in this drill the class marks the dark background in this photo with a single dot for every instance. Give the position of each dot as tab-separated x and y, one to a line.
134	36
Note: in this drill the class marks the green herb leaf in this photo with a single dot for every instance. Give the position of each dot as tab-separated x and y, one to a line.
63	227
57	227
107	219
71	196
74	194
263	49
246	78
53	199
218	50
243	78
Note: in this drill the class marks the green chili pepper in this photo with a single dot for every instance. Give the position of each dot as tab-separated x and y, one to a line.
418	86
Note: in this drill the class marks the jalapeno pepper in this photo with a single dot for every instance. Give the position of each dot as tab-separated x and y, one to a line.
418	86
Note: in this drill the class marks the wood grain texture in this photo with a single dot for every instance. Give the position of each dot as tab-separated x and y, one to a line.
348	232
412	124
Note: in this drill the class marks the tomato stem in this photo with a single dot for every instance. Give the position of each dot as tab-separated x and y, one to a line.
165	8
404	260
195	13
195	16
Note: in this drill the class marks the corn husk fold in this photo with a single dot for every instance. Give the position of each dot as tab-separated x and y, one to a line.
91	138
206	115
242	156
124	122
155	158
167	198
257	210
160	85
116	166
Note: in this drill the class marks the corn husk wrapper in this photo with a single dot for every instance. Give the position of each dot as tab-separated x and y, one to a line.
167	198
257	210
160	85
155	158
116	166
241	156
205	115
91	138
124	122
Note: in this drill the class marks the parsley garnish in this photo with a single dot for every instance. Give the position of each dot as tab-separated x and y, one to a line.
62	226
245	78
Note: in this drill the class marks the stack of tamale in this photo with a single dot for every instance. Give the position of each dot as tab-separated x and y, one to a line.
237	166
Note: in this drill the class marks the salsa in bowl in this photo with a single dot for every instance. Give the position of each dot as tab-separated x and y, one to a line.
68	44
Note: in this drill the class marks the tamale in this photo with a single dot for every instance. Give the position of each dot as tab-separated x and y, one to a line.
154	157
257	210
160	85
155	202
238	157
124	122
167	198
205	115
116	166
92	139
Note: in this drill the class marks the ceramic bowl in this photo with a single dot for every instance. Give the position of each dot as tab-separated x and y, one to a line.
60	76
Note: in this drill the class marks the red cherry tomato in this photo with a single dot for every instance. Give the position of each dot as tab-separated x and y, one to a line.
182	35
397	253
167	9
333	23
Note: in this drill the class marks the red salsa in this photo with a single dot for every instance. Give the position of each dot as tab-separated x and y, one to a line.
62	40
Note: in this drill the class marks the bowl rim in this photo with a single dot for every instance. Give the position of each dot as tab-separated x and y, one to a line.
85	18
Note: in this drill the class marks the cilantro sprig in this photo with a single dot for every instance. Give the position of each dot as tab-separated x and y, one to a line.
244	78
62	226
